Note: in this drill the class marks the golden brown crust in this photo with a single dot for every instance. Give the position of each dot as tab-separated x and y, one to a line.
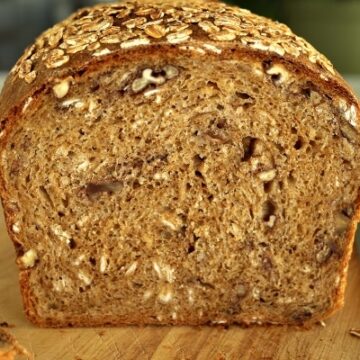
202	29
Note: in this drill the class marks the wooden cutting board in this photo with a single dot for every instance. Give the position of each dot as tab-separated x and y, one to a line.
162	343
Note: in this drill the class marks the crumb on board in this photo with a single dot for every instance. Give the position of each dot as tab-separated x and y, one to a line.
5	324
355	332
10	347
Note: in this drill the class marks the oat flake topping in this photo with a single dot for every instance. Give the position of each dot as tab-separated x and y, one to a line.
129	24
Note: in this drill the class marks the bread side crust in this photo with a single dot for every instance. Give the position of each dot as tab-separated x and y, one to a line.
17	91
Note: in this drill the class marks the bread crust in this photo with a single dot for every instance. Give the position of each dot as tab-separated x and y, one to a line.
19	88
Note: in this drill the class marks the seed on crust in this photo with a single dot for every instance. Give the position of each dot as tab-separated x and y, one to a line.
93	46
132	23
134	42
144	11
157	14
209	27
77	40
178	37
25	68
123	13
56	58
223	36
110	39
229	21
75	49
277	49
55	37
95	26
222	23
156	31
30	77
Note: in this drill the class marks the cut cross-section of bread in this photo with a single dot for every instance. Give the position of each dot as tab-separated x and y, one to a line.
178	163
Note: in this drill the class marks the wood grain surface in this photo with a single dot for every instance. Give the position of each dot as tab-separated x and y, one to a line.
163	343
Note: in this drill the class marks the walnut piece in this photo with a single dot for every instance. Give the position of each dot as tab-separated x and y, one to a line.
61	89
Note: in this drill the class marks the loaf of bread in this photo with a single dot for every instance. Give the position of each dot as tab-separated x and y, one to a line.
178	162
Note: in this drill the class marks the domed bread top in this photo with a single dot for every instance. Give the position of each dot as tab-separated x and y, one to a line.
199	27
202	25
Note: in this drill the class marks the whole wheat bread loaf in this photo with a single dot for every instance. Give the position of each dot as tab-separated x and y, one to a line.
180	162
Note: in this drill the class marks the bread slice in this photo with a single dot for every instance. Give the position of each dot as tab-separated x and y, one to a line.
178	163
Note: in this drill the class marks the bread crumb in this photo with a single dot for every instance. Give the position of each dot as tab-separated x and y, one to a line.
13	350
5	324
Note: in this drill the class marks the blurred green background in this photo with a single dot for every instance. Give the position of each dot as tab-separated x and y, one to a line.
332	26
